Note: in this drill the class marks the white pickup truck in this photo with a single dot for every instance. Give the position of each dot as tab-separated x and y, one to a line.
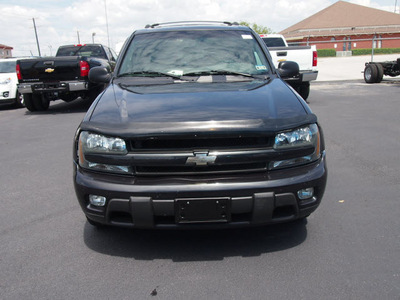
304	56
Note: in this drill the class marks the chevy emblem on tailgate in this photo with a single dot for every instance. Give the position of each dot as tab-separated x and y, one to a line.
201	159
49	70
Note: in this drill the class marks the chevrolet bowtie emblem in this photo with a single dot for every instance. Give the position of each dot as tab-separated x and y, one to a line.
49	70
201	159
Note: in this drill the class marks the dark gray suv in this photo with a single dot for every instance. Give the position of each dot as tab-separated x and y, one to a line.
197	129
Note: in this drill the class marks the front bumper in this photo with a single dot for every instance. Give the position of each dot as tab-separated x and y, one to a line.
159	202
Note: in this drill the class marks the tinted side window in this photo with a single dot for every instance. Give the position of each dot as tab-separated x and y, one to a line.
88	51
274	42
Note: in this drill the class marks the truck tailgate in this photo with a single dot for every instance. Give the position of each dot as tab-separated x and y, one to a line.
302	55
51	69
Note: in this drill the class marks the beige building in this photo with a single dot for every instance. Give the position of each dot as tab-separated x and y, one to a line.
5	51
346	26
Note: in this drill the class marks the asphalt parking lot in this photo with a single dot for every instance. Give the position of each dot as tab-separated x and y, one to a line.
348	249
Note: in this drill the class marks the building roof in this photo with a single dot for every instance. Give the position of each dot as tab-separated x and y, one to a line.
5	47
344	18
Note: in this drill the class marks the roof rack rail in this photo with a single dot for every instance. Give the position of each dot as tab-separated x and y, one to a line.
183	23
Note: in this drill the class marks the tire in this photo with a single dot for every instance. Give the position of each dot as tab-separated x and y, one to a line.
94	92
371	73
41	103
28	100
304	90
380	70
19	100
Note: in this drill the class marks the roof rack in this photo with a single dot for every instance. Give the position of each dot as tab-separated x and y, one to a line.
183	23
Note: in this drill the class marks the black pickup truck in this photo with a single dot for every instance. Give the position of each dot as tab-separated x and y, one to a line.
64	76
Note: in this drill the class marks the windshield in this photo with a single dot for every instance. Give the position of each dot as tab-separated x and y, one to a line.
7	66
196	52
88	51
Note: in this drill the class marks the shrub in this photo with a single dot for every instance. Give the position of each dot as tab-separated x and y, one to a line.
326	52
376	51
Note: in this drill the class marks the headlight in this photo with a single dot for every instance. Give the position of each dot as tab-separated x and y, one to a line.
92	143
6	81
96	143
290	140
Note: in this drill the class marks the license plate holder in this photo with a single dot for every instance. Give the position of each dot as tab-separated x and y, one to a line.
202	210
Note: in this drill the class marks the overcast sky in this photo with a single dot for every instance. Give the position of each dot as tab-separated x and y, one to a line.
59	21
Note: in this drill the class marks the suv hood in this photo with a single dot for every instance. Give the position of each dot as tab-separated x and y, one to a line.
265	106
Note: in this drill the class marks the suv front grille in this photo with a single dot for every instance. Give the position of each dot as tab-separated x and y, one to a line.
174	155
201	143
190	170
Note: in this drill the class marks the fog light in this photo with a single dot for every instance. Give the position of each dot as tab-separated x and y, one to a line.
305	193
97	200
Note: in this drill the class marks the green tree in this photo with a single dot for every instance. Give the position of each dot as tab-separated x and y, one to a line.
257	28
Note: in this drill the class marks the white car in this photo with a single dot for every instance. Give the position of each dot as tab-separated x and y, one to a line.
8	83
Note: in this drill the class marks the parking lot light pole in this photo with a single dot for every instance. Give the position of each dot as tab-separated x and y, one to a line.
37	40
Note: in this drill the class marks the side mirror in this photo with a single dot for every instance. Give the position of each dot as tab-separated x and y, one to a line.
99	75
287	69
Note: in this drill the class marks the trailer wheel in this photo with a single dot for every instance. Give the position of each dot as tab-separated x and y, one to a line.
28	100
370	73
379	68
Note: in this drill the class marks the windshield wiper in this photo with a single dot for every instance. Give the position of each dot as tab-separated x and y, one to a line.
150	74
226	72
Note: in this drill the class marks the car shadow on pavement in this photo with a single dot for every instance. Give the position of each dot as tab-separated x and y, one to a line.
194	245
9	107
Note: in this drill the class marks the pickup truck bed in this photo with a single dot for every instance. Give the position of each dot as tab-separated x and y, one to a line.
64	76
304	56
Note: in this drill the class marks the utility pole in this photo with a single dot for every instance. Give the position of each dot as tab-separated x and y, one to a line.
395	6
79	40
37	40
